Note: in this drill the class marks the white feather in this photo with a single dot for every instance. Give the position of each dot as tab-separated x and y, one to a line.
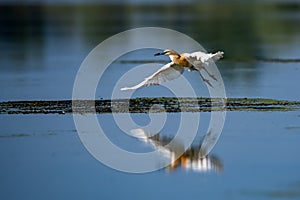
168	72
200	57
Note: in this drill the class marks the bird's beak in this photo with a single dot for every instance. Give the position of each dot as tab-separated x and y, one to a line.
159	54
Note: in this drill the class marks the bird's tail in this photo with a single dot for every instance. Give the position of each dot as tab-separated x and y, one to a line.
218	55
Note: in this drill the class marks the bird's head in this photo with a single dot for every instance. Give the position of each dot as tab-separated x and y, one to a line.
167	52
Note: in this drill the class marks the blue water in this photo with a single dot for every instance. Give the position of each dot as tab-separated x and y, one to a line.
259	151
43	46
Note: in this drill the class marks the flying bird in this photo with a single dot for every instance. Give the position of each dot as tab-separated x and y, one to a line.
192	61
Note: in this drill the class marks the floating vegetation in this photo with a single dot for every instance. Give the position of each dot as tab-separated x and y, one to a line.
15	135
144	105
280	60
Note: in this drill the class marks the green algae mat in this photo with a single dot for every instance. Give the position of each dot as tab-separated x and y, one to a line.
144	105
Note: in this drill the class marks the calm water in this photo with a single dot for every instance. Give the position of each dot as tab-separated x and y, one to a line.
259	152
42	47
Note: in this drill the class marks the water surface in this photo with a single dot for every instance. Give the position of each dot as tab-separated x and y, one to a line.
42	46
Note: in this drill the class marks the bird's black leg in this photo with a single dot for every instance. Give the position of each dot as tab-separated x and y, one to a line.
212	76
205	80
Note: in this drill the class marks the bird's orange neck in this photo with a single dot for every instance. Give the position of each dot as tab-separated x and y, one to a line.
180	60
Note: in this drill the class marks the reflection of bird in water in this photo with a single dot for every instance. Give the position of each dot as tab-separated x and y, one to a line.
194	158
193	61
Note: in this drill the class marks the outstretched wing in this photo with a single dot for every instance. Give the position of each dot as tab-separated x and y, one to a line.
202	58
154	141
168	72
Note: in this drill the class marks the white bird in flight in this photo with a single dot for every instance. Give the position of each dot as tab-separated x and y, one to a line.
193	61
